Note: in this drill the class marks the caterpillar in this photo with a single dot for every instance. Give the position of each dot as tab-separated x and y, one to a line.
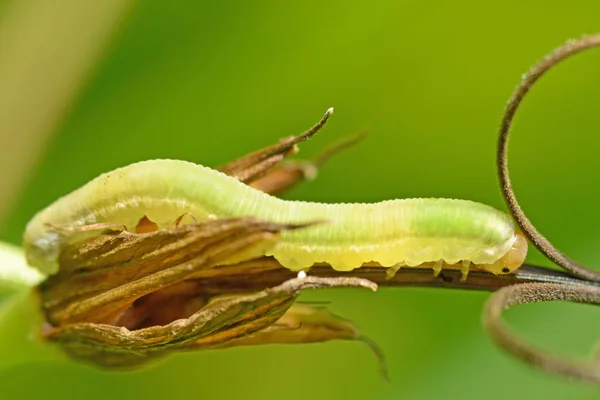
391	234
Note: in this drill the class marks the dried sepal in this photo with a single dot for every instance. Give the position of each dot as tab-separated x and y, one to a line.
287	174
102	276
121	299
305	323
216	324
256	164
268	171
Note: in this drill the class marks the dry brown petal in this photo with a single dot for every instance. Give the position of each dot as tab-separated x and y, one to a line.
287	174
216	324
121	299
256	164
304	323
101	277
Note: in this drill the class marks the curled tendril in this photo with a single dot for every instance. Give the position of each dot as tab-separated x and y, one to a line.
570	48
513	295
586	290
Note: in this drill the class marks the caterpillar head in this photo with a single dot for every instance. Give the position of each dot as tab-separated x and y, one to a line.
513	259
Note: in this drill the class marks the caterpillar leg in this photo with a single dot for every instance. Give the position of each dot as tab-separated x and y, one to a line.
390	272
437	267
464	270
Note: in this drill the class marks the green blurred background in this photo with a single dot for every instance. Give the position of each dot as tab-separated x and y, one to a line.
210	81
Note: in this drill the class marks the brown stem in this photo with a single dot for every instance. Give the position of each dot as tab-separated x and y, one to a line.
265	272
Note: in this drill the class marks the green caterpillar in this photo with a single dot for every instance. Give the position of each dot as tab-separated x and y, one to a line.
394	233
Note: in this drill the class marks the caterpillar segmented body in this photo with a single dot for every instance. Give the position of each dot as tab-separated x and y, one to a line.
393	233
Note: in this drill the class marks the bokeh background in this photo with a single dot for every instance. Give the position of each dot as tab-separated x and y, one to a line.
89	86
